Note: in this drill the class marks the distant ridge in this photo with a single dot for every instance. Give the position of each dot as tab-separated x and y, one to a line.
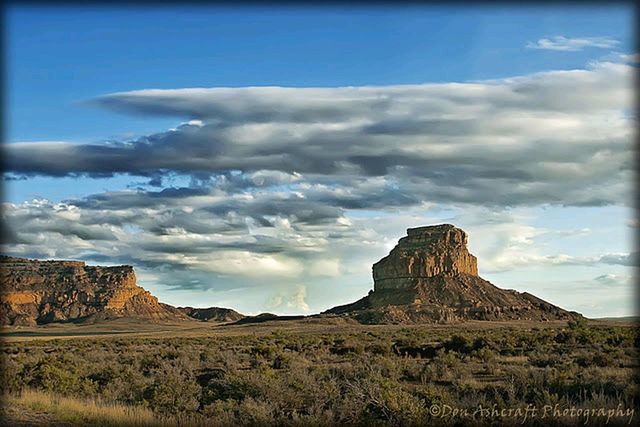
212	314
266	317
619	319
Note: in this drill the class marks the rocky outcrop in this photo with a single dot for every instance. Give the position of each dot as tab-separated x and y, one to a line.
424	253
212	314
37	292
431	277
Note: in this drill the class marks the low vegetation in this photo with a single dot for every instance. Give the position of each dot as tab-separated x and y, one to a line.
85	411
375	376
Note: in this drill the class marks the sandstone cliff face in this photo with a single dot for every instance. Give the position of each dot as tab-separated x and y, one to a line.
425	252
38	292
431	277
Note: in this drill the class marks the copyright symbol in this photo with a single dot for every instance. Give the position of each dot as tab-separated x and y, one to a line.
434	410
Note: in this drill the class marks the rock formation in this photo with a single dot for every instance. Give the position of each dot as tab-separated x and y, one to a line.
212	314
430	276
38	292
424	253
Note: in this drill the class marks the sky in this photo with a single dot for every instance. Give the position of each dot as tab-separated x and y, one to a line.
263	159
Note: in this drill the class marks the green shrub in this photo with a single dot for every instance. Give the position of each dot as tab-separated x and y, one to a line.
459	344
598	358
485	354
577	324
174	390
11	377
544	360
64	378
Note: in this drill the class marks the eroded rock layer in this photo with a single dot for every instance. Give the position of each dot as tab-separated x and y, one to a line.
424	253
38	292
431	277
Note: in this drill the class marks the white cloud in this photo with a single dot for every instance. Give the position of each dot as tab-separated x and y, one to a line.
290	301
633	58
298	299
572	44
510	259
511	244
439	143
247	264
613	280
329	267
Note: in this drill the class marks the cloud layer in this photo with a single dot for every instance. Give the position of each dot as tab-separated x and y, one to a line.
273	245
293	185
501	142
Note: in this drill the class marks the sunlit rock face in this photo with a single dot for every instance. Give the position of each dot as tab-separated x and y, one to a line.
38	292
425	252
430	277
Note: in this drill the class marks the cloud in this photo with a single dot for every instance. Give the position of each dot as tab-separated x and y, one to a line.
295	301
260	234
567	44
329	267
613	280
516	246
301	185
626	259
176	240
630	259
606	295
298	299
250	235
633	58
505	142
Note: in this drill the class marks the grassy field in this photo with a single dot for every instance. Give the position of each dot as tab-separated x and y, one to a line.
323	372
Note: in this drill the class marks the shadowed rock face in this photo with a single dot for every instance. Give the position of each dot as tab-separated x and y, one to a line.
38	292
431	277
212	314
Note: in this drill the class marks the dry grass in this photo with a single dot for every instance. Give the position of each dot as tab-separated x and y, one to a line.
121	328
87	412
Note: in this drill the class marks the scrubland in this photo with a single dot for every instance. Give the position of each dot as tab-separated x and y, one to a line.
331	376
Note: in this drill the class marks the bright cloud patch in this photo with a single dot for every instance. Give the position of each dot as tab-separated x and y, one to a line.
567	44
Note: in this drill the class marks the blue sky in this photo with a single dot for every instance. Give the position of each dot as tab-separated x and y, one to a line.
59	57
61	60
